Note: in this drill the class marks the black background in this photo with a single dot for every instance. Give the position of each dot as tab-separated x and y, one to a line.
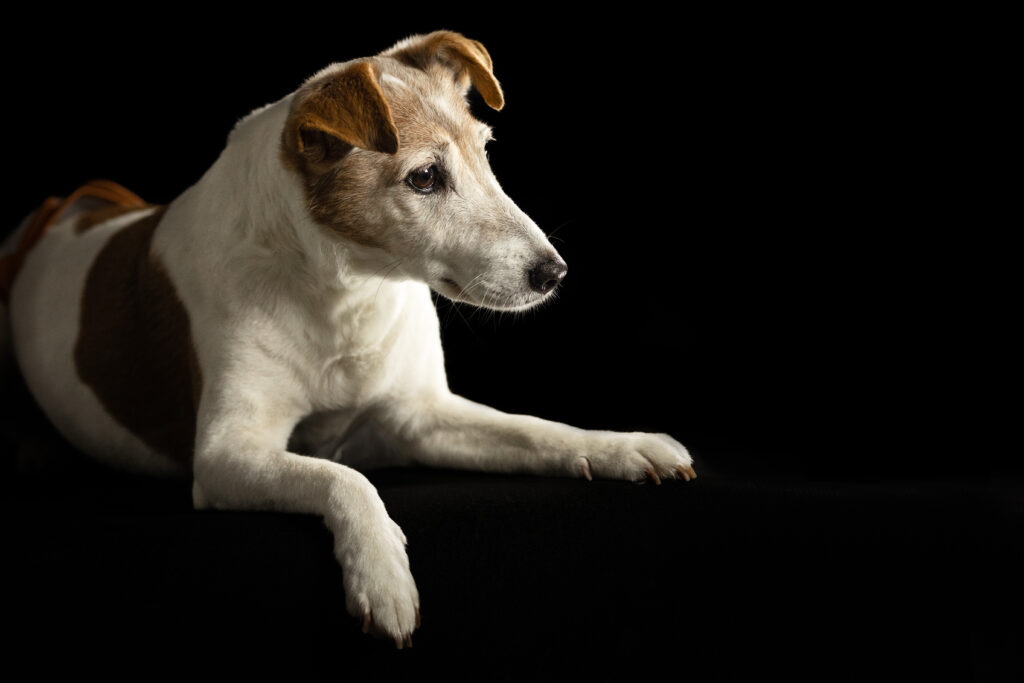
756	264
772	256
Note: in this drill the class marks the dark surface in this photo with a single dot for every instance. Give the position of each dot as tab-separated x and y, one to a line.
762	262
752	570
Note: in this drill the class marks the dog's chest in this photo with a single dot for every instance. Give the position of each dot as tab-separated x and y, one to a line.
363	348
350	373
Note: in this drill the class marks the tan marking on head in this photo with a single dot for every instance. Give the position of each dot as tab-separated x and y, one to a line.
134	346
468	60
334	200
332	115
433	123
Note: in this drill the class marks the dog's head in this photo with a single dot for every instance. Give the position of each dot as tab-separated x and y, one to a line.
391	158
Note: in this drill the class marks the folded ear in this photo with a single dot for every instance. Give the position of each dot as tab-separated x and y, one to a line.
468	60
337	112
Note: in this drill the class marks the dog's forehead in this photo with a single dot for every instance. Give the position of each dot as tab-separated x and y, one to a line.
426	106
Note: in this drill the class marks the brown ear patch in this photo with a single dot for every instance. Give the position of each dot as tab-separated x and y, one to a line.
134	347
468	59
338	112
330	116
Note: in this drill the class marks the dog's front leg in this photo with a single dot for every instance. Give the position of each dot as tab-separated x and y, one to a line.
237	474
450	431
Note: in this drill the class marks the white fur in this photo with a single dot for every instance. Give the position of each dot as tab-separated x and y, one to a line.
312	345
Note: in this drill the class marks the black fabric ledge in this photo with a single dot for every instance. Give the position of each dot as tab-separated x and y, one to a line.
755	569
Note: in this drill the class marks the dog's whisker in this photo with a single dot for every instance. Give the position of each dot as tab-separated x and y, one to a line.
470	285
389	267
455	307
384	277
552	233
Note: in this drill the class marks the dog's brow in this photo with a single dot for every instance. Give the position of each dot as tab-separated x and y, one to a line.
436	151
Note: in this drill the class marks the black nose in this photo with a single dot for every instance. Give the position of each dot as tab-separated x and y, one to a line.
546	275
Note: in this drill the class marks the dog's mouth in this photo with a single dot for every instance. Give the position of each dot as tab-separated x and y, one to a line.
452	290
484	295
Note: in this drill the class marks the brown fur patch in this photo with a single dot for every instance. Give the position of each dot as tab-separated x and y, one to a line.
134	348
334	198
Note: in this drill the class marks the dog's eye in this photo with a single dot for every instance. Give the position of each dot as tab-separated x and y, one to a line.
423	179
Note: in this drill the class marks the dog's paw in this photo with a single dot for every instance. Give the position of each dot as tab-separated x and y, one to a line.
379	588
635	456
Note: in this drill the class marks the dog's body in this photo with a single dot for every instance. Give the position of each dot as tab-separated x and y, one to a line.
281	306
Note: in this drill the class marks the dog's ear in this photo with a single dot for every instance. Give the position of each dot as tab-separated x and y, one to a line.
341	111
468	60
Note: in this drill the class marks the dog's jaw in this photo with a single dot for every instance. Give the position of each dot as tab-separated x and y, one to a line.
483	294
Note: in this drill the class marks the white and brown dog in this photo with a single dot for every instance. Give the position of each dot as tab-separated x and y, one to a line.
280	308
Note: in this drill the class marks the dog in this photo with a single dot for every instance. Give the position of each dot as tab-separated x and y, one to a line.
271	332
